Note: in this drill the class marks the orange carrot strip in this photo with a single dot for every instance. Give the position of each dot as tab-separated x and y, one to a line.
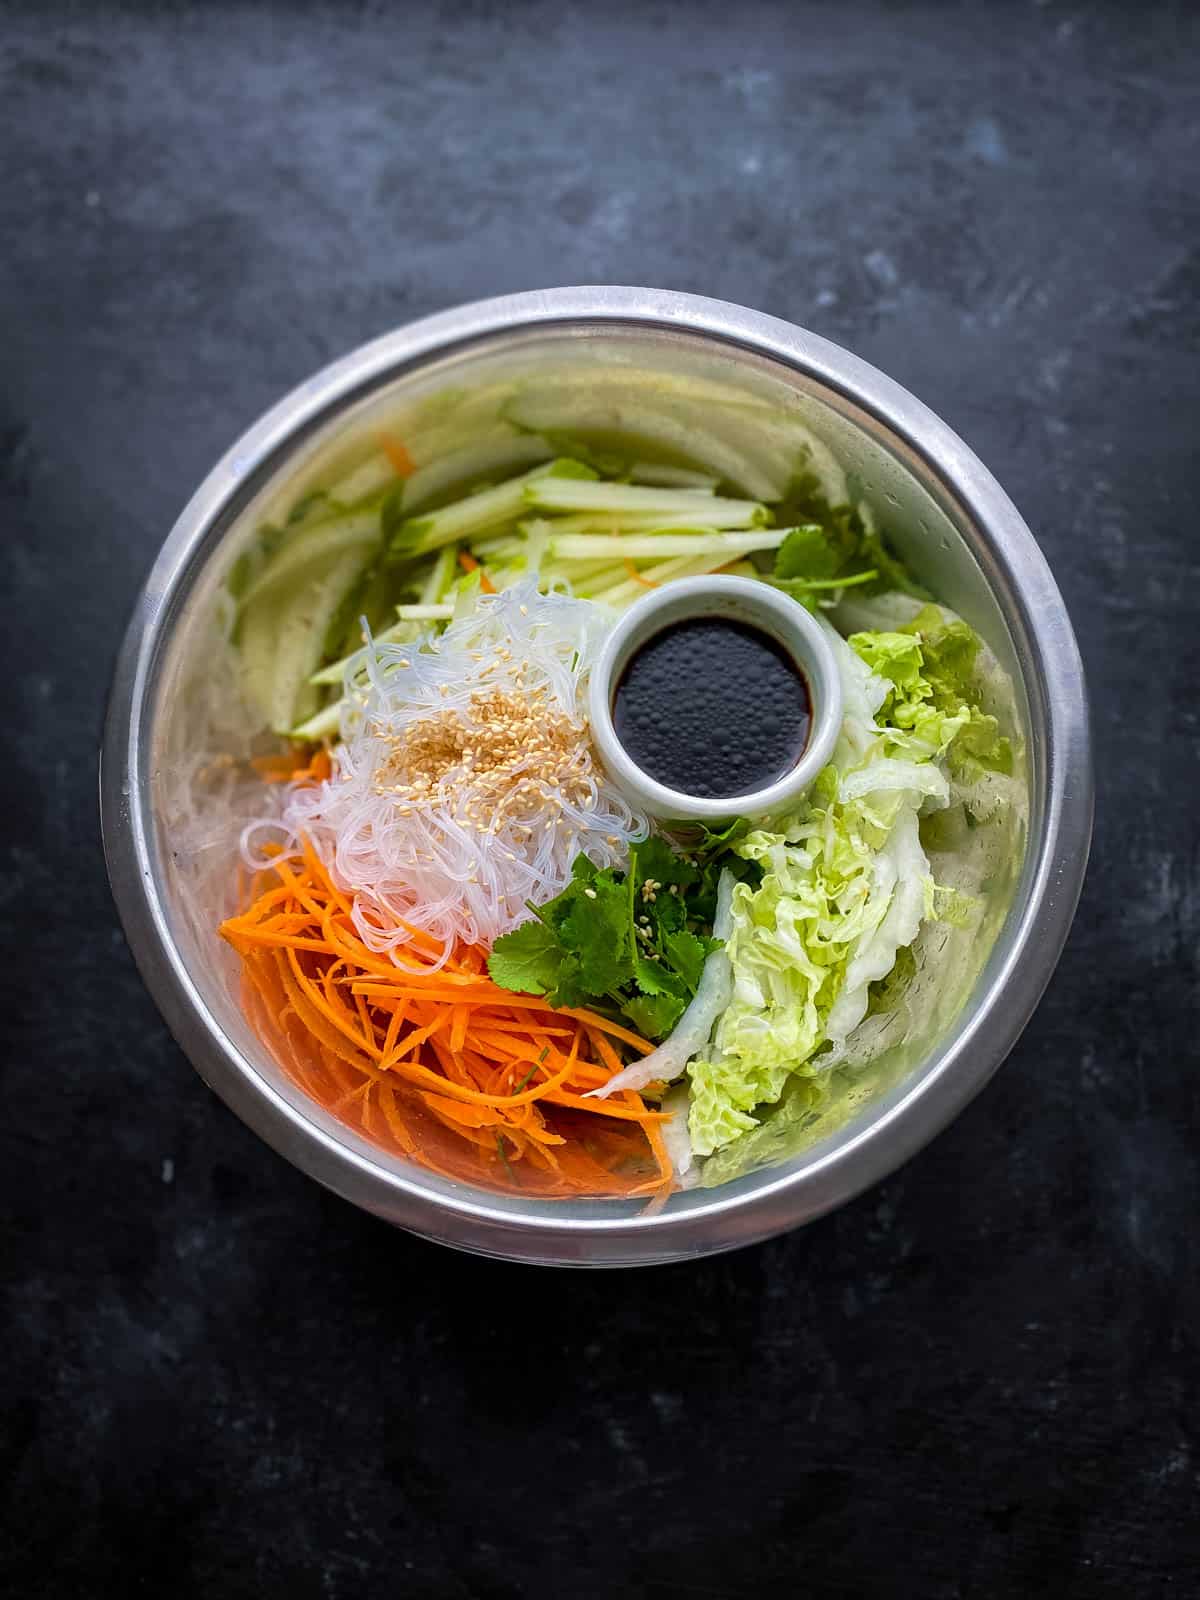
590	1019
313	995
623	1113
419	1036
284	941
313	1019
274	769
345	1022
395	1122
461	1017
393	1030
394	449
469	564
605	1051
469	1116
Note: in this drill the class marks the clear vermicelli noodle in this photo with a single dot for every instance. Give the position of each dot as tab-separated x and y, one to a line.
465	783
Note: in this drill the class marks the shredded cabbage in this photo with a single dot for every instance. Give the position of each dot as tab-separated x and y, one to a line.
846	883
929	709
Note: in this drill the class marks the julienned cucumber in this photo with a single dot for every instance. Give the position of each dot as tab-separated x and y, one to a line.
478	513
694	507
312	548
661	546
490	458
628	424
282	638
306	587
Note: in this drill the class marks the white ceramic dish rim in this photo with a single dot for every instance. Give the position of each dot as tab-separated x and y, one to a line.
749	601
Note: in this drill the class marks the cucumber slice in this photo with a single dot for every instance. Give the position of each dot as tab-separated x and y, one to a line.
478	513
371	477
374	598
442	569
351	533
688	507
668	477
283	636
441	576
498	457
400	632
627	423
652	547
322	725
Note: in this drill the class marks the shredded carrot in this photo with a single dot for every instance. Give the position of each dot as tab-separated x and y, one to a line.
396	453
442	1066
274	769
637	576
292	768
469	564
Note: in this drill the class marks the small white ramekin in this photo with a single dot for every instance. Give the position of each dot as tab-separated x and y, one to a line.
740	600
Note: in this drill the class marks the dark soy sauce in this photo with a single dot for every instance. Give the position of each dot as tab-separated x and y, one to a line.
712	707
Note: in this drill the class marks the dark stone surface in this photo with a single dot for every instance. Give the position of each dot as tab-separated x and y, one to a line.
979	1379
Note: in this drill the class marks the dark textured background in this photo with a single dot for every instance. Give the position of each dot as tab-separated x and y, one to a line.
976	1381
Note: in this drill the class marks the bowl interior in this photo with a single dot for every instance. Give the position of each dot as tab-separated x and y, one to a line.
678	397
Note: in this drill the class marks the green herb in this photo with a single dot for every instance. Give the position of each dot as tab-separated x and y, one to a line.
831	547
507	1164
529	963
633	941
530	1073
309	502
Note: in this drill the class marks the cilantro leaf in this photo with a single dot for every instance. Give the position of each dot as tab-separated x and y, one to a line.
597	928
713	841
574	984
636	940
832	543
654	858
655	977
810	552
654	1014
670	912
529	959
687	955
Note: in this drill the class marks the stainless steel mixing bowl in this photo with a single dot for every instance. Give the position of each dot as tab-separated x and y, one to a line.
170	826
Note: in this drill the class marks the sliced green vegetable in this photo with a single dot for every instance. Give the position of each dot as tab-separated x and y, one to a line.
657	546
478	513
367	481
282	638
664	476
315	545
627	426
423	613
931	709
460	471
688	507
321	725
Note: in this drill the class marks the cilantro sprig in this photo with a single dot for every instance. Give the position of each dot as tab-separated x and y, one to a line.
633	941
830	548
